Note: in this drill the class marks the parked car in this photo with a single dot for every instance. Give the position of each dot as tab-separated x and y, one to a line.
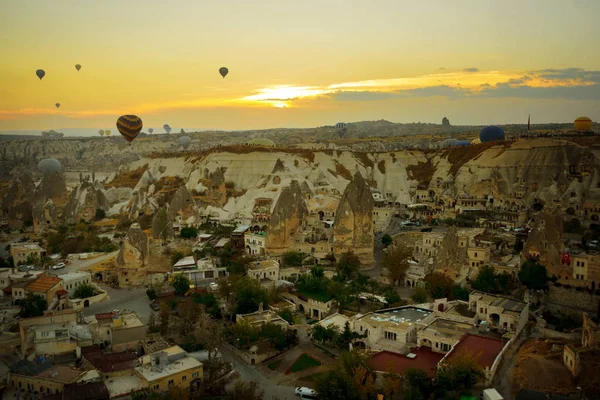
214	286
59	266
306	393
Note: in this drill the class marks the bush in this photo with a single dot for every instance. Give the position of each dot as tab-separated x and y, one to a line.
181	284
420	295
100	214
84	291
292	259
386	240
188	233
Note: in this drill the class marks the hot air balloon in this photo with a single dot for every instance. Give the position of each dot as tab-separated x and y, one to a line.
491	133
449	143
57	105
49	165
167	128
583	124
185	141
77	67
40	73
101	132
107	132
129	126
150	130
223	71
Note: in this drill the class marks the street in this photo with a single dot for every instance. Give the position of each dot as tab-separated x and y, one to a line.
249	373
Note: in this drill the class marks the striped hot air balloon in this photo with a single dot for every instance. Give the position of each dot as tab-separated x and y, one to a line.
129	126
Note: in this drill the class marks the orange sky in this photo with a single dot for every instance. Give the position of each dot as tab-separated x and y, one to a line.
295	64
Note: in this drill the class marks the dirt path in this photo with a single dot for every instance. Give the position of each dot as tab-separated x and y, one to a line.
503	380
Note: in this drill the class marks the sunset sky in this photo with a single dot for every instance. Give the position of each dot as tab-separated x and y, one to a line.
296	63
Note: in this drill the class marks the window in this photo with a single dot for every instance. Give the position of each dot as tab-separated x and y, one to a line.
184	378
195	374
155	387
45	334
390	335
171	383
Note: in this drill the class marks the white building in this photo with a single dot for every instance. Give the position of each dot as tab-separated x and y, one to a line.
264	270
205	269
254	243
72	280
185	263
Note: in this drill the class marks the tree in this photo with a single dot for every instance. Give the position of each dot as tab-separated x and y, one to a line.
439	285
459	375
187	311
151	293
181	284
317	272
485	280
188	233
420	295
533	275
176	256
417	384
209	333
165	315
324	334
84	291
396	262
100	214
32	306
348	265
248	295
460	293
386	240
246	390
292	259
288	315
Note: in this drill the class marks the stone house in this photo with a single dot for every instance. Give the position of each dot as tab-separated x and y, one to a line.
501	312
46	286
442	334
168	368
255	243
44	378
21	251
313	307
578	356
263	271
72	280
393	329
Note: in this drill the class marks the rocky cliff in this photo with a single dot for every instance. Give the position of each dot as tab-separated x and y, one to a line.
84	200
353	225
134	250
286	217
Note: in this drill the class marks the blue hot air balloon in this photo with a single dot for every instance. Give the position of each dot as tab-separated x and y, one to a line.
491	133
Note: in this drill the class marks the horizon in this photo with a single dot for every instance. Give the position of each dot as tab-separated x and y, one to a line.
479	63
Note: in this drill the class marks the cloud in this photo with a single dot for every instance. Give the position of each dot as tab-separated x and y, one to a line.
472	69
362	96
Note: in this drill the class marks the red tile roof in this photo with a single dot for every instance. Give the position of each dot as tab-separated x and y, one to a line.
426	360
62	291
486	349
104	316
43	283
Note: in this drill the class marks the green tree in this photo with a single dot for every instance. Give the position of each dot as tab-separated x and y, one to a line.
420	295
151	293
248	294
325	334
317	272
188	233
386	240
533	275
292	259
100	214
84	291
181	284
288	315
417	384
439	285
396	263
348	265
485	280
460	293
32	306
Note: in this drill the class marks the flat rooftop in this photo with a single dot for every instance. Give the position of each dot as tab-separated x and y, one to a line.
256	265
71	276
425	360
404	316
130	320
174	367
506	303
185	262
484	349
109	362
446	328
460	309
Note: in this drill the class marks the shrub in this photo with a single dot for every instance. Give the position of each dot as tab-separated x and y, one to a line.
188	233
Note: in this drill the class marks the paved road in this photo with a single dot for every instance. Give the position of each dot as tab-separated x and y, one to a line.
503	380
249	373
77	265
133	299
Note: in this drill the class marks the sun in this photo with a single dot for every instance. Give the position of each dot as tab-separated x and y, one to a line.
279	104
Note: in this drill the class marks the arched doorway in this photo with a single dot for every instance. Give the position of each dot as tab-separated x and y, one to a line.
441	307
359	345
253	362
86	303
495	319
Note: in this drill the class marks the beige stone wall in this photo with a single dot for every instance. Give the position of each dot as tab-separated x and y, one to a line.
182	379
32	384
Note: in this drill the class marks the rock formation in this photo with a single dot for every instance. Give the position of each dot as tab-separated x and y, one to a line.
445	121
287	215
84	200
134	250
353	225
17	204
451	257
545	245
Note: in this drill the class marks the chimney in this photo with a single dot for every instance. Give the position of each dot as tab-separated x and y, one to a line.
260	307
